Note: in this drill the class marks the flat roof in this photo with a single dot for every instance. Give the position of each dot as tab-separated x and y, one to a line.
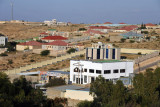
106	61
70	87
61	72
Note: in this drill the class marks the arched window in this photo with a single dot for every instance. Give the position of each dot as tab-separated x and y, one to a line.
76	69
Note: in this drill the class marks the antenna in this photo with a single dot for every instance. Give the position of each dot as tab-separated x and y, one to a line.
12	2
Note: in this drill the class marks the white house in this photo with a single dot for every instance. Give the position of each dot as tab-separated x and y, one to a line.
84	72
3	40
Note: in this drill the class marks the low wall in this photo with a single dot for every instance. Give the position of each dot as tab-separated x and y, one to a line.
78	95
136	51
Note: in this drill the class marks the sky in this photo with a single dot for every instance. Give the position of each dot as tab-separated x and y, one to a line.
83	11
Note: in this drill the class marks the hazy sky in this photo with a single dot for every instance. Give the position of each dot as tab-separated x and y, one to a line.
83	11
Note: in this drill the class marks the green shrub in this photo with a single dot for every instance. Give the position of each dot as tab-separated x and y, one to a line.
131	41
123	40
3	54
71	50
45	53
55	82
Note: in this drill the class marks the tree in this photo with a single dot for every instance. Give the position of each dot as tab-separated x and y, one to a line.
84	104
45	53
123	40
55	82
82	29
71	50
11	46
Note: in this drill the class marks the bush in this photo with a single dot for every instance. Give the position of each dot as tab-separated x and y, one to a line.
10	61
84	104
123	40
71	50
139	53
3	54
131	41
45	52
32	60
107	40
55	82
82	29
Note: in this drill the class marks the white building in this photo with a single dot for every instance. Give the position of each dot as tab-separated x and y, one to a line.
84	72
3	40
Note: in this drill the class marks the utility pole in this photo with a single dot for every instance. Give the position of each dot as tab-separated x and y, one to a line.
12	10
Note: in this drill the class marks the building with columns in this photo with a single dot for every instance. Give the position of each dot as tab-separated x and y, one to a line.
102	51
86	71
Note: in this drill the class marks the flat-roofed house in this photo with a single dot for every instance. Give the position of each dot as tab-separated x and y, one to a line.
28	46
86	71
56	45
3	40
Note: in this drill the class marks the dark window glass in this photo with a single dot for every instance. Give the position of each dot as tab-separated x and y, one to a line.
115	71
91	70
107	71
122	70
98	71
85	70
85	79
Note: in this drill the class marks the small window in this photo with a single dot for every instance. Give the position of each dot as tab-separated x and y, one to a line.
85	70
91	70
98	71
107	71
85	79
115	71
122	70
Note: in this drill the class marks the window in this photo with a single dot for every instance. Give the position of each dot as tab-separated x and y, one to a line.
74	77
107	71
85	70
115	71
76	69
122	70
91	70
85	79
98	71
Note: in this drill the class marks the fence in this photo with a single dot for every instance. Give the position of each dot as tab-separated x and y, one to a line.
145	57
78	39
44	63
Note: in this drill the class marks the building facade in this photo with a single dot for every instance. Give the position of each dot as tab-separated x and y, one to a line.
85	72
3	40
102	51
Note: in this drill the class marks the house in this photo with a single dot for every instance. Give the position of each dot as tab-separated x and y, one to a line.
45	76
132	35
151	26
116	38
43	34
53	38
86	71
51	31
126	28
28	46
108	23
56	45
3	40
102	51
103	29
73	92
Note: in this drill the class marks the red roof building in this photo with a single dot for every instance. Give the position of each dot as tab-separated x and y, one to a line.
44	33
94	32
150	24
122	23
129	28
108	23
54	38
58	43
99	27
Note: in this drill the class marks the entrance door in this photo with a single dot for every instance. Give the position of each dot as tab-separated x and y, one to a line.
92	79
